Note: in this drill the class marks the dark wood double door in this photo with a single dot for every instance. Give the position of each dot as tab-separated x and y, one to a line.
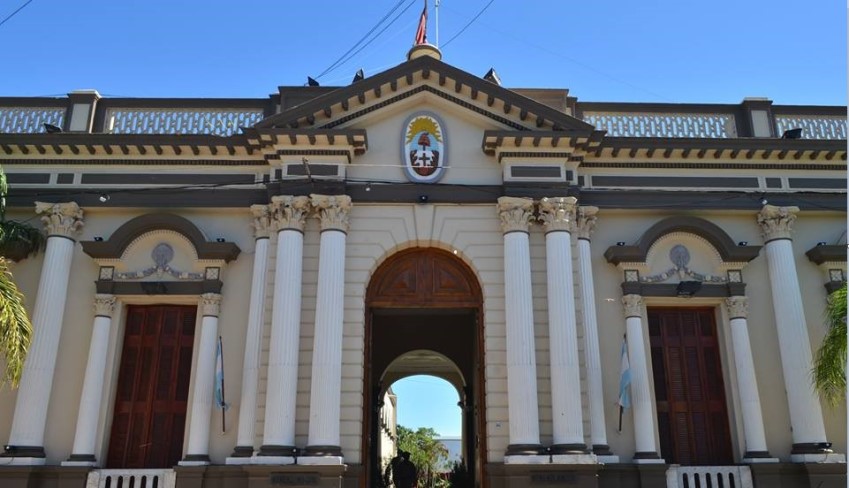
691	409
153	384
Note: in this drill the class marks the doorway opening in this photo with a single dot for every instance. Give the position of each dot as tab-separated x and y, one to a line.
424	317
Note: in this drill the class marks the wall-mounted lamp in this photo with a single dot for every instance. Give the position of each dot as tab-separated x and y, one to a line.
220	239
821	243
743	243
104	197
98	239
423	198
620	243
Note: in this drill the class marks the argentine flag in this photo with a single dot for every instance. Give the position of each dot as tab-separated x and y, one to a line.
624	400
219	377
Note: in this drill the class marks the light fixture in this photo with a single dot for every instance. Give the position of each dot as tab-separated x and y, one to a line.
104	197
455	252
220	239
368	186
687	289
423	198
52	129
620	243
764	201
743	243
98	239
312	81
792	133
821	243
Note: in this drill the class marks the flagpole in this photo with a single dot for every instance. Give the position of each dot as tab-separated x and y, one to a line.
223	425
436	7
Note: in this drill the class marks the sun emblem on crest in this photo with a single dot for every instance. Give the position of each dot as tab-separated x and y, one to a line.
424	148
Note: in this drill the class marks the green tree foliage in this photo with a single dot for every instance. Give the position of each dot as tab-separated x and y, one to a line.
830	361
426	452
17	240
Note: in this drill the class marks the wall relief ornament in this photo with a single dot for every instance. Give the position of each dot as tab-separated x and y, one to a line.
262	215
60	219
332	210
210	304
633	305
586	220
104	305
515	213
162	255
679	255
558	213
777	222
289	212
738	307
423	148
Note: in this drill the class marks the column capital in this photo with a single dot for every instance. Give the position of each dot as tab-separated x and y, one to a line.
515	213
585	221
333	211
263	217
558	213
210	304
777	222
289	212
738	307
104	305
633	305
60	219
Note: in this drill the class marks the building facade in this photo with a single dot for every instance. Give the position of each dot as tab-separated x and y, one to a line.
424	220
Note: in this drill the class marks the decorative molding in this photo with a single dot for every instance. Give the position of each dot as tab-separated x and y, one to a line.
60	219
210	304
738	307
515	213
680	257
162	255
777	222
586	221
835	253
262	215
558	213
333	211
104	305
633	305
289	212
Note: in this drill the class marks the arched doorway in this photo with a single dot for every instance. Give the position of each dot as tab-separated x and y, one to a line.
424	299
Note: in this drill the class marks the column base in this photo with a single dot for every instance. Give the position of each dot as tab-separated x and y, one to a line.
270	460
276	450
608	459
811	448
243	451
80	460
527	459
602	450
23	461
822	458
195	460
574	459
524	450
24	451
753	457
647	458
569	449
323	450
321	460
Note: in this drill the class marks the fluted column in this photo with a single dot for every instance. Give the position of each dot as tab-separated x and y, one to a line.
253	338
26	441
326	386
278	439
92	394
584	227
747	385
523	410
646	450
558	217
197	450
806	418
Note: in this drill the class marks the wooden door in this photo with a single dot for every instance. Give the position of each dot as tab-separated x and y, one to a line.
153	386
691	409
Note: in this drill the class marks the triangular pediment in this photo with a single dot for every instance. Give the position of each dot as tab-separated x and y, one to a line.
338	108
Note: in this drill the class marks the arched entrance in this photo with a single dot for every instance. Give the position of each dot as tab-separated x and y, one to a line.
423	306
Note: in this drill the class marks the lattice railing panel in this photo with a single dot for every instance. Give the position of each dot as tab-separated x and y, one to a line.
223	122
813	126
709	477
29	120
645	124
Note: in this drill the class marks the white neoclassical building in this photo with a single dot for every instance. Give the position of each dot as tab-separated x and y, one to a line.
424	220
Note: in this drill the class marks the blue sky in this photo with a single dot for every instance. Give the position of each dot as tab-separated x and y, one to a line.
428	401
649	51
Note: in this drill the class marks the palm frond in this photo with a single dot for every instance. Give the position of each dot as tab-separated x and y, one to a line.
829	373
19	240
15	328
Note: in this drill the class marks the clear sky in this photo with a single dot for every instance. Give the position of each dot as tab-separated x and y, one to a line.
428	401
649	51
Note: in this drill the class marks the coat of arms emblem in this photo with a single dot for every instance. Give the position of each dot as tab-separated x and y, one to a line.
424	148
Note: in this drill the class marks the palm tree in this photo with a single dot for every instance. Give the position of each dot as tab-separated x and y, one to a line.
830	362
17	241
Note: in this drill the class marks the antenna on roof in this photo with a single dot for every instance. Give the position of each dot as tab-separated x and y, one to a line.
492	77
311	81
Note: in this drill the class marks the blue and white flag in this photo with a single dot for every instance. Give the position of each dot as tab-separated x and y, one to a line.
219	377
624	400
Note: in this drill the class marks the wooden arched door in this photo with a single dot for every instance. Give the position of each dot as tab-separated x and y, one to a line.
424	298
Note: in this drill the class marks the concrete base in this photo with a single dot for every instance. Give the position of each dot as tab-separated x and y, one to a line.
523	476
82	464
192	463
271	460
234	461
294	475
831	457
321	460
22	461
760	460
43	477
537	459
574	459
608	459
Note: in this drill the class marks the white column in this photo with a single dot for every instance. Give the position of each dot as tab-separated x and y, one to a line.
747	385
584	227
253	339
197	450
92	394
523	410
326	386
278	438
806	418
26	441
644	433
558	217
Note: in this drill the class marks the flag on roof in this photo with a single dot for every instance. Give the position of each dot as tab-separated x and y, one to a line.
421	31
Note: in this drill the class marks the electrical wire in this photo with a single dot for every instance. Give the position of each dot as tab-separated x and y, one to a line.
468	24
15	12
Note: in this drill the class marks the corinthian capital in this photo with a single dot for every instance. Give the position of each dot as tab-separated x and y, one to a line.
515	213
777	222
633	305
104	305
558	213
262	220
585	223
738	307
210	304
289	212
60	219
333	211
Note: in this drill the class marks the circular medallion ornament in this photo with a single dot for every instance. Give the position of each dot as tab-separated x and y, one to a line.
423	147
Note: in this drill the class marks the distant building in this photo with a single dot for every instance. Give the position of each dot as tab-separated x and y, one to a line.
455	450
424	220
